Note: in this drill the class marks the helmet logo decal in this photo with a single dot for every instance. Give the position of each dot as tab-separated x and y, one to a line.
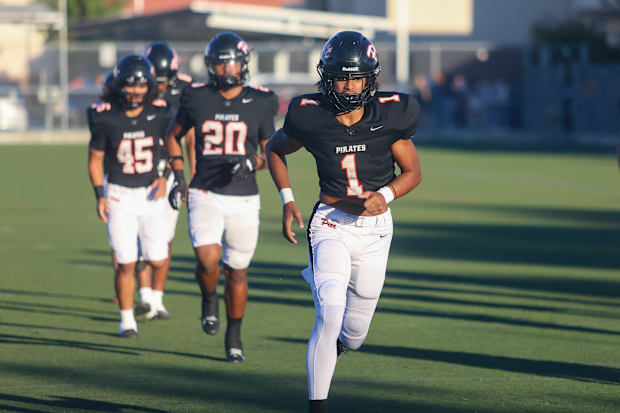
174	64
328	50
371	52
350	69
243	47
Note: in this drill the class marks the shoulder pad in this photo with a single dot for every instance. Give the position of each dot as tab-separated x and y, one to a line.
307	101
390	98
101	107
261	88
184	77
160	103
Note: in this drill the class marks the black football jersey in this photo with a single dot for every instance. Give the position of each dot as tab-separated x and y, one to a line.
357	158
226	130
174	91
132	146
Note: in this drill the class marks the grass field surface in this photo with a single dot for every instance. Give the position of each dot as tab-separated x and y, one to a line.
502	295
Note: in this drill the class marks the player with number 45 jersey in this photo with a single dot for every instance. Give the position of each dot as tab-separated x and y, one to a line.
231	123
127	134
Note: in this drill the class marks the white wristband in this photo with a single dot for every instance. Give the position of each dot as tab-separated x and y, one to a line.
387	194
286	195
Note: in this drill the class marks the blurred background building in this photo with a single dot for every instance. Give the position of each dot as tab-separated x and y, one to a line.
545	70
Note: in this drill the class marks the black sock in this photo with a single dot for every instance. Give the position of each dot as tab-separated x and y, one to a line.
317	406
233	333
210	304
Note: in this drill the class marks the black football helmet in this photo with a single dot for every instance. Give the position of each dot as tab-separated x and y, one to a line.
348	55
227	48
164	59
107	89
134	70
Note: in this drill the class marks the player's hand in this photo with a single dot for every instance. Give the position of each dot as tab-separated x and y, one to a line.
177	195
103	209
374	202
244	166
290	212
158	188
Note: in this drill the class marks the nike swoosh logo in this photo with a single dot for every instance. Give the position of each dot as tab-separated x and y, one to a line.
151	117
383	235
374	128
246	100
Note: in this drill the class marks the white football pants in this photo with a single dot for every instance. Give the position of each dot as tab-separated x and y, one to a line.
346	270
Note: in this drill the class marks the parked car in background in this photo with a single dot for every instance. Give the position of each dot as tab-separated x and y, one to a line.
13	113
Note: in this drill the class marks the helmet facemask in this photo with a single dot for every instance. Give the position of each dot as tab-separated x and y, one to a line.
345	102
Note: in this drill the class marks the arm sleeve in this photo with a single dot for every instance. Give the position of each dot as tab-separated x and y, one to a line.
267	127
97	135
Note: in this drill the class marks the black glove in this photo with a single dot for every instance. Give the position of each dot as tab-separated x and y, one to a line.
244	166
178	191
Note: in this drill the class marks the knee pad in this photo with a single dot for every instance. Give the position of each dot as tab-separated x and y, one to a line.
236	259
354	331
331	291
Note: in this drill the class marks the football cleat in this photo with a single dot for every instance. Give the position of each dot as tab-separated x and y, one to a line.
142	309
235	355
210	325
129	333
163	314
340	349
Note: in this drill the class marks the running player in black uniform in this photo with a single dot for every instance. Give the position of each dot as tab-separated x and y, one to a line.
170	84
231	123
355	135
127	135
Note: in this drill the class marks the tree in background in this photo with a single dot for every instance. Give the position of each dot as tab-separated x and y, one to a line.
89	9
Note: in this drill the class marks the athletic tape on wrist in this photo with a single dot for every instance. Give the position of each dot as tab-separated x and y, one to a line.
286	195
387	194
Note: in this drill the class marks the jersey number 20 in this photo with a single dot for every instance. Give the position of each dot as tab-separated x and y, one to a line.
134	156
224	139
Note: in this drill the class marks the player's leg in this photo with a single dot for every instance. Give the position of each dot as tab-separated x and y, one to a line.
207	275
328	273
158	278
122	230
144	274
206	226
368	268
153	233
238	246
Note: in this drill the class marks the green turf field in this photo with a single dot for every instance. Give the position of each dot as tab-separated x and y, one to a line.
502	295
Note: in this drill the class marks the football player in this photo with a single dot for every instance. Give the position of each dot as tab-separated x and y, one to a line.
355	134
231	122
170	83
127	135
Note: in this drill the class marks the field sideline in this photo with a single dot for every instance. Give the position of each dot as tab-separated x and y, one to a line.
502	295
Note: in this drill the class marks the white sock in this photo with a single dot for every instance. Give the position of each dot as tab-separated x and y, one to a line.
146	295
127	320
157	301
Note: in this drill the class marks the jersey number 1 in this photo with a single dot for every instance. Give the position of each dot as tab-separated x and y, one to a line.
349	165
134	156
